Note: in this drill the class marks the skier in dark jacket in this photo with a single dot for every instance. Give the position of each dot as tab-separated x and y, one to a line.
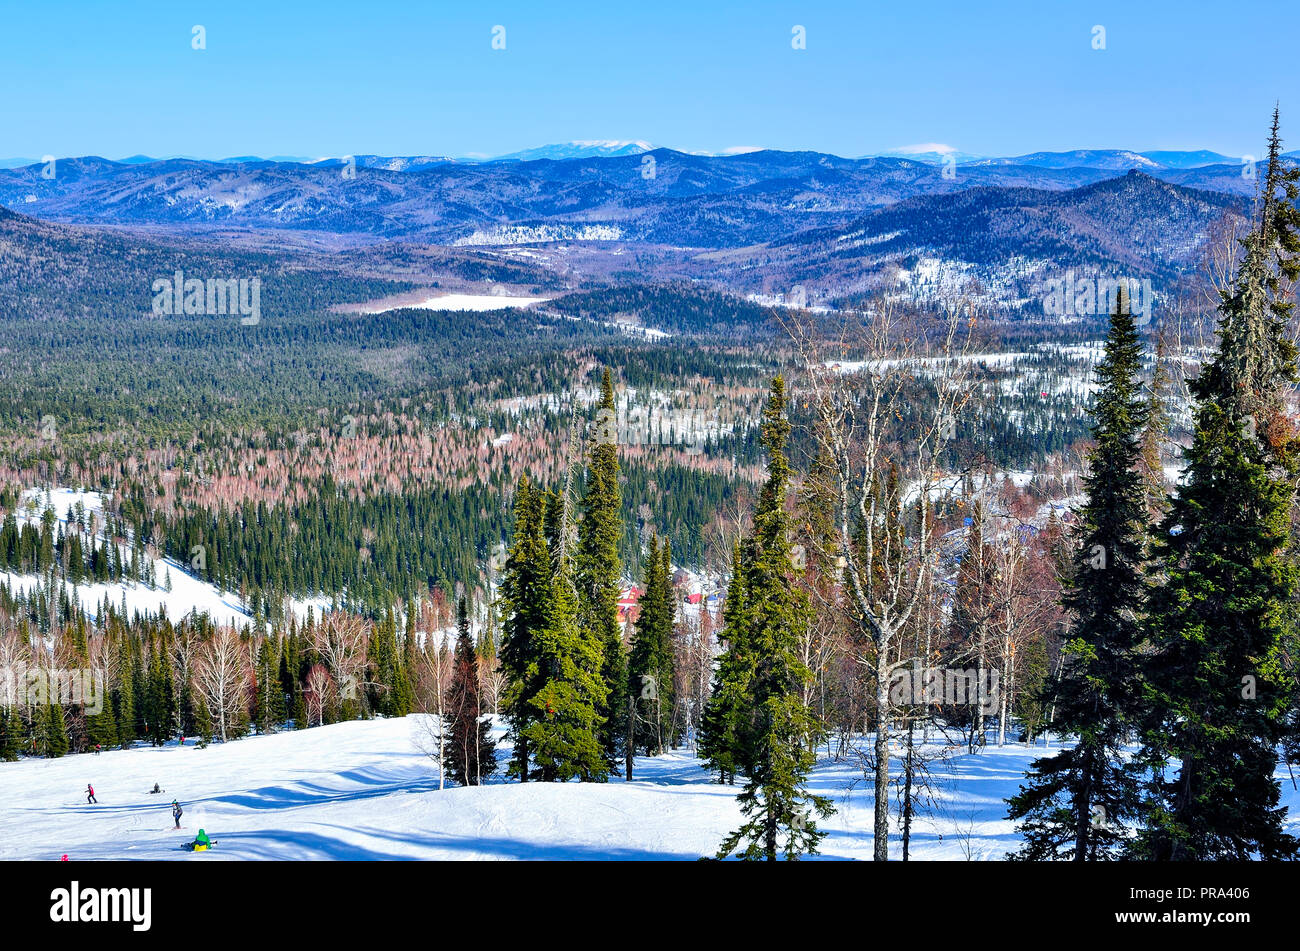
177	812
90	794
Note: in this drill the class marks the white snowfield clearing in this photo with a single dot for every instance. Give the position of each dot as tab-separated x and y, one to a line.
362	790
476	302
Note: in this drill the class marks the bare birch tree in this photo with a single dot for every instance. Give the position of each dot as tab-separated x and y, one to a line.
869	418
341	639
221	677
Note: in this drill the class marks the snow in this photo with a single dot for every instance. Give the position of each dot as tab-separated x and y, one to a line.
930	365
541	234
363	790
953	486
188	593
475	302
35	501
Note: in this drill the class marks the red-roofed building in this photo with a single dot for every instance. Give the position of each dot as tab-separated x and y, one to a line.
629	605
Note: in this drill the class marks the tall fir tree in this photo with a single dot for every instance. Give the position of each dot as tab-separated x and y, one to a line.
563	728
1218	692
650	667
727	711
780	814
597	569
410	657
1076	802
11	735
123	697
269	702
525	591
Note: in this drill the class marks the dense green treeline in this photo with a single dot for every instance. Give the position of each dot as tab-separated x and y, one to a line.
378	545
367	550
673	308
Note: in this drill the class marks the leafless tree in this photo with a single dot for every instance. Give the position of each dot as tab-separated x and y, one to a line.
184	651
341	639
320	693
221	677
867	422
432	682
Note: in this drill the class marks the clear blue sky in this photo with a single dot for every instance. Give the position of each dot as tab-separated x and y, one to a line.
353	77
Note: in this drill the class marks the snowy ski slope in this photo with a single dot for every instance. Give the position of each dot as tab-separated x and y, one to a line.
363	790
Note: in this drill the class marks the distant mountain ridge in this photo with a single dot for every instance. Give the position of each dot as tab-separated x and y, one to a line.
1007	239
658	197
1109	159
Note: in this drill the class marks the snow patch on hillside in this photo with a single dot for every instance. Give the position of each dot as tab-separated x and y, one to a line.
541	234
188	594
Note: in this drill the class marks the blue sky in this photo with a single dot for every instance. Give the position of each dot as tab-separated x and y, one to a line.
337	78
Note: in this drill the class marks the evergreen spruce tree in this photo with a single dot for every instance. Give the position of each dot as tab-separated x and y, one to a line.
779	811
270	697
1219	695
598	572
382	657
728	708
56	731
470	754
525	591
287	674
10	735
101	727
564	723
1155	434
650	669
1075	803
124	694
298	703
159	694
488	638
410	658
203	723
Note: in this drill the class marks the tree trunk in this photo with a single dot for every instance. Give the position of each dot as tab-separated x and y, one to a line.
1083	813
1002	705
882	757
977	735
908	768
629	749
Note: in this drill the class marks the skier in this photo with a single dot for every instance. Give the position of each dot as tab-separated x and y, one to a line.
90	794
201	842
155	790
177	812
